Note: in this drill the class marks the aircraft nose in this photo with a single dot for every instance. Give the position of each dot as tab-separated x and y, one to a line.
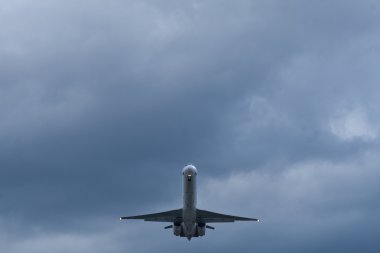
189	170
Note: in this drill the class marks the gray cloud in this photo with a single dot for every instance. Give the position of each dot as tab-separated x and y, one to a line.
101	102
311	201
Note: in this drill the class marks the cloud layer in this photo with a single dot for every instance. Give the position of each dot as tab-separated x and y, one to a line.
275	102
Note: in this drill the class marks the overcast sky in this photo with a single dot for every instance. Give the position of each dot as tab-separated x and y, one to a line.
276	102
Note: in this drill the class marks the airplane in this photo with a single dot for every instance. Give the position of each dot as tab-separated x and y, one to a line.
189	221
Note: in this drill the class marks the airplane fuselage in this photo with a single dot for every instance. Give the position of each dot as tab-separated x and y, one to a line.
189	212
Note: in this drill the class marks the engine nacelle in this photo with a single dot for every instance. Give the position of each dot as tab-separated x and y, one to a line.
177	229
201	229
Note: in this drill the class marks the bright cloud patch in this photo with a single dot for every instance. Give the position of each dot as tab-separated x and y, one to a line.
353	125
61	242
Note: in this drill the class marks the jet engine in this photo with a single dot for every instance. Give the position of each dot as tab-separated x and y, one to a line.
177	229
201	229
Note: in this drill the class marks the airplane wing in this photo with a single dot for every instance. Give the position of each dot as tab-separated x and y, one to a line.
209	217
168	216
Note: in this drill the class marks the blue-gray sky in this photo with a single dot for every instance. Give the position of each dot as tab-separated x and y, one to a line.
103	102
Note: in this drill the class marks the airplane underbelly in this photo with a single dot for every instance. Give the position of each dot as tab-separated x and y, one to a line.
189	229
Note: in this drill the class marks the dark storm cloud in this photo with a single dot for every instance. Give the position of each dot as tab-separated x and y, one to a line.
101	102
